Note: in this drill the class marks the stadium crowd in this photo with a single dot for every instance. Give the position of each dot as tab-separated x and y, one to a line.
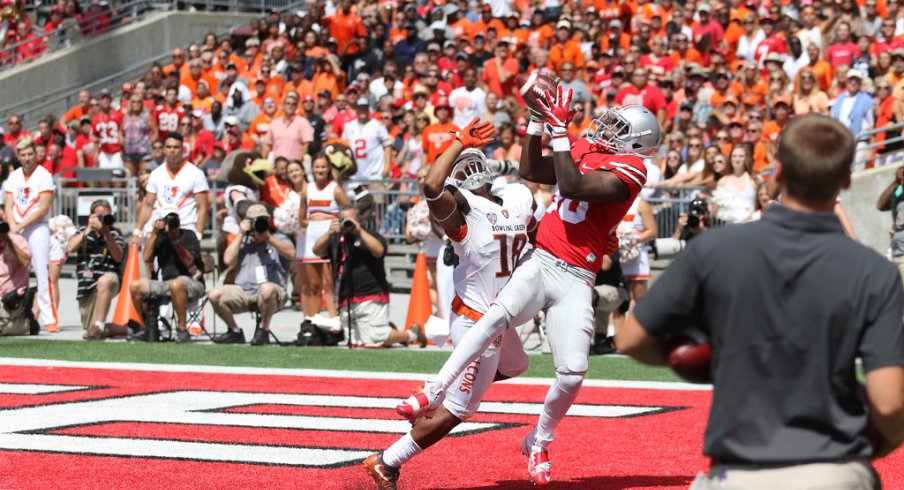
63	22
385	83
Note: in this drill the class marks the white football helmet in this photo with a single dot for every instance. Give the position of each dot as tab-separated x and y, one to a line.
470	171
629	129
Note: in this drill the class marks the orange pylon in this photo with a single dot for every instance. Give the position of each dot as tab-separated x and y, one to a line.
419	305
125	310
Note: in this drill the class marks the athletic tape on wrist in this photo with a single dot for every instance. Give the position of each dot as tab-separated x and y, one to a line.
561	143
535	128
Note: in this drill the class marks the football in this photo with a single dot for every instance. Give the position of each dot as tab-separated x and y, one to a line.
690	356
533	86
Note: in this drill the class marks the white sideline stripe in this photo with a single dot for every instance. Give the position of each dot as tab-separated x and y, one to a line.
33	389
323	373
261	454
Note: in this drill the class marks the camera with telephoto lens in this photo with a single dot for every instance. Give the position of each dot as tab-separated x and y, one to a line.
107	220
347	226
4	228
697	211
261	224
172	221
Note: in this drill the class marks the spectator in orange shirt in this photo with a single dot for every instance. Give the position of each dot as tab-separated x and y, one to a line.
499	71
781	110
178	62
261	123
438	136
487	22
564	48
345	26
82	109
615	37
540	33
297	83
682	53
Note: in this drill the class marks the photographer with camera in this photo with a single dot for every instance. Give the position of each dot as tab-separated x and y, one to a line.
262	258
180	271
101	248
16	317
693	222
357	259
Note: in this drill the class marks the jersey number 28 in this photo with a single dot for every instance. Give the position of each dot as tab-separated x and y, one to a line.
507	262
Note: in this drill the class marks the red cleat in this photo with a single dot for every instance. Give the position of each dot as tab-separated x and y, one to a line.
538	464
422	403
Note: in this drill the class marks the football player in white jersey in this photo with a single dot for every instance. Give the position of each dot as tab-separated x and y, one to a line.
178	184
488	234
29	199
370	142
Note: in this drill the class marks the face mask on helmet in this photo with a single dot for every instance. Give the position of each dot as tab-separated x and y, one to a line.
470	171
631	129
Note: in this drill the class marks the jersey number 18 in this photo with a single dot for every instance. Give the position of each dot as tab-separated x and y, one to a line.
518	242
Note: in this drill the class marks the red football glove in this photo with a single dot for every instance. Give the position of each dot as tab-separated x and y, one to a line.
557	111
476	134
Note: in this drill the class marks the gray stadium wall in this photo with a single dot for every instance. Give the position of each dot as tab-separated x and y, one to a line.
859	202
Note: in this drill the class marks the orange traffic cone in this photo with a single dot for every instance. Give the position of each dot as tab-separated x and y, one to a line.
419	305
125	310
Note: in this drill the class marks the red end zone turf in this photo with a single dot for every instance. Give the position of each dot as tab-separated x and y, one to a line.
142	429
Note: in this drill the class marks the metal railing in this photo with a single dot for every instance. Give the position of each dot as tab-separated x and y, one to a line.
668	206
116	186
262	6
72	32
867	153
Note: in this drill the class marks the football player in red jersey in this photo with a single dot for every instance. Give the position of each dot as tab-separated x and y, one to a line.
598	178
168	114
106	130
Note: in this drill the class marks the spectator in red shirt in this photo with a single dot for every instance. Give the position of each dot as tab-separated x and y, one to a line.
843	50
657	61
200	139
14	131
641	92
29	46
708	34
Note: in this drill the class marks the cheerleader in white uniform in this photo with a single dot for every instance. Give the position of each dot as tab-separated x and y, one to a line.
636	229
323	199
286	219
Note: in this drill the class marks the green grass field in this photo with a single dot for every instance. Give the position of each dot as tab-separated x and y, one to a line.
388	360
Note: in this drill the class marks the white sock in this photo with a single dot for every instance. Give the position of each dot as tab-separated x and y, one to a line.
101	325
401	452
558	400
412	337
473	344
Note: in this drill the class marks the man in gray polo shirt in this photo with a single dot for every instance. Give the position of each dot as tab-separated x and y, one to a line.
263	259
789	303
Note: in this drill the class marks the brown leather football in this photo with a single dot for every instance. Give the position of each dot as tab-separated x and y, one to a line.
690	357
533	86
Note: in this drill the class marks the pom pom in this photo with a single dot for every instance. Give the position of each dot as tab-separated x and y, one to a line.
419	221
285	217
62	229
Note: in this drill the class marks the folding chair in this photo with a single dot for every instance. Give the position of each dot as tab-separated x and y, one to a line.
167	321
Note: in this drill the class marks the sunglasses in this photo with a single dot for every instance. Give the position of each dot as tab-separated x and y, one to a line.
754	117
694	145
753	130
806	77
